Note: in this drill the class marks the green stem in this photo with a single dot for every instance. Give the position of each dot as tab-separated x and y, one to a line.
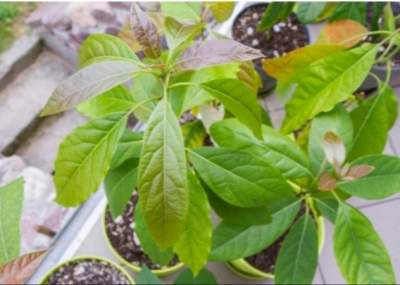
336	196
388	74
183	84
166	85
365	34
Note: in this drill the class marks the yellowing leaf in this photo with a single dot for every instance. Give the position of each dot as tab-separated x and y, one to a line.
221	10
343	32
286	67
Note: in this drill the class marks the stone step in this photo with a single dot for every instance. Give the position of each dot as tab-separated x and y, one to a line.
24	97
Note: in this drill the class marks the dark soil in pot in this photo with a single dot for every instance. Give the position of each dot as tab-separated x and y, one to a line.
87	272
282	38
265	260
124	240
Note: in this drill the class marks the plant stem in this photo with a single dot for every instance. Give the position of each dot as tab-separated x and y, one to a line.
365	34
183	84
336	196
166	85
388	74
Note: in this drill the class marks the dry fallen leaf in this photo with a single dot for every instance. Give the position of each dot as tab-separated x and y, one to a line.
343	32
20	269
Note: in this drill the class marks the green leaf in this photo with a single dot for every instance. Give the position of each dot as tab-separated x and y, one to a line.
337	121
101	45
185	97
194	244
277	149
275	12
238	99
119	185
180	36
182	11
328	207
89	81
360	253
356	11
204	277
221	10
162	176
232	241
145	276
229	213
11	201
146	241
309	12
371	127
382	182
227	172
392	105
194	134
115	100
376	10
129	146
216	51
322	86
145	87
298	257
84	158
145	32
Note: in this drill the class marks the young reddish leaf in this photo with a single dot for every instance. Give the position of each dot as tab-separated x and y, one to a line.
217	51
145	32
334	148
286	67
358	171
343	32
327	182
20	269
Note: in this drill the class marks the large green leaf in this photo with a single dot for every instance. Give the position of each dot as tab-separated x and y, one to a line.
392	105
356	11
337	121
309	12
204	277
146	241
100	45
84	158
275	12
238	99
187	96
162	176
115	100
298	256
229	213
89	81
194	244
182	11
322	86
119	185
275	148
360	253
371	126
382	182
129	146
328	207
11	200
145	276
232	241
238	177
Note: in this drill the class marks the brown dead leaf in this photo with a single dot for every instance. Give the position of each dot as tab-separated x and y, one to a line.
343	32
327	182
19	270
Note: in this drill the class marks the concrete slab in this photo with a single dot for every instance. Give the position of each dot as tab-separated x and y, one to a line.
23	98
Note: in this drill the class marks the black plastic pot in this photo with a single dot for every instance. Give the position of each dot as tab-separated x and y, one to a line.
381	71
268	83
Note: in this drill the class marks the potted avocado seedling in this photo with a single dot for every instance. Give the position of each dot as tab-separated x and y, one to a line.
272	28
265	184
88	270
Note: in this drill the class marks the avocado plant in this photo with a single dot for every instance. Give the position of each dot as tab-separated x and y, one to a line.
260	181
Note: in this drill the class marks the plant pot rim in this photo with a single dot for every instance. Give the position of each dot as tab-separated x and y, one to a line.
88	257
395	67
159	272
244	269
